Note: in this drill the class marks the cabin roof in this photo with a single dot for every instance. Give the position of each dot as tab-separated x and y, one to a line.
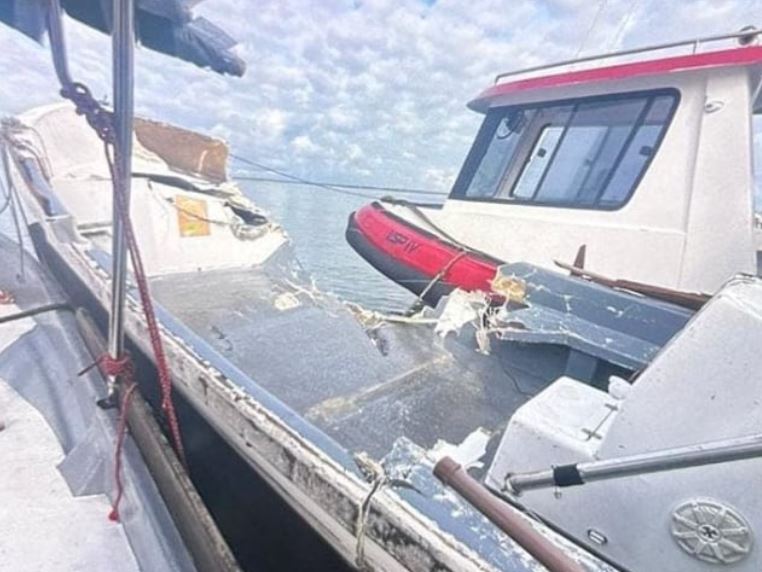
519	82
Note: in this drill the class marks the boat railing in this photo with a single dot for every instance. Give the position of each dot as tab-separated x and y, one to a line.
745	36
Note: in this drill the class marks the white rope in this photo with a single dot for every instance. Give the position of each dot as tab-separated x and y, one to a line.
373	318
13	199
5	184
378	478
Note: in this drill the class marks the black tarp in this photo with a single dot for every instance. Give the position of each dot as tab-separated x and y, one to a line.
166	26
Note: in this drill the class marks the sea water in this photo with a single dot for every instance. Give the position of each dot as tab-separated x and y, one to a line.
315	218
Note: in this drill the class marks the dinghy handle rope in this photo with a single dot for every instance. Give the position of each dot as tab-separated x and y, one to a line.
417	305
413	207
101	121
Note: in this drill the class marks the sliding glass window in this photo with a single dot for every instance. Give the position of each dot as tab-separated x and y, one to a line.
587	153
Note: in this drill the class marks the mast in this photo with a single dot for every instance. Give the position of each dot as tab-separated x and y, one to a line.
123	43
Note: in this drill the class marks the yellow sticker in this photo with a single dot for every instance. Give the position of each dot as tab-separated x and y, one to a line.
192	217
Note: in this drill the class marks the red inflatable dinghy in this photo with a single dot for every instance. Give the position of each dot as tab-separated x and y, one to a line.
426	264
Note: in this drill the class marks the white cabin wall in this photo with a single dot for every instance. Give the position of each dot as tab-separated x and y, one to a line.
719	232
644	240
542	235
81	184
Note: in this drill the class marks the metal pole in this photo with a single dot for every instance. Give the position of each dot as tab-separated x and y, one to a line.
58	43
745	36
654	462
123	39
518	527
203	539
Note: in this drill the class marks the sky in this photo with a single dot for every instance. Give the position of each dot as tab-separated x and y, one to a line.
361	91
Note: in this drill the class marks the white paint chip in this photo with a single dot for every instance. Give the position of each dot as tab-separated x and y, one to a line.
468	453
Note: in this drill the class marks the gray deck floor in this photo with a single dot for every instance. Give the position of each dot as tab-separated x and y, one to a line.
365	390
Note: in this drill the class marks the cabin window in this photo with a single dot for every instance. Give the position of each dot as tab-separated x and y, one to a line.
505	136
584	153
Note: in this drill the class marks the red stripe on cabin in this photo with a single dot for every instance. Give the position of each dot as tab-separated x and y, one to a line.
721	58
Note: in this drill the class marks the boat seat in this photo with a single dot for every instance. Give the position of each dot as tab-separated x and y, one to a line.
566	422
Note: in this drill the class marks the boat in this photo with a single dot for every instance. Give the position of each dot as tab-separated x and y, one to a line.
348	432
351	416
618	164
671	456
317	427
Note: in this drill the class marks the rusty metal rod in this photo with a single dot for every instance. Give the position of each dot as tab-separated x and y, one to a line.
692	300
514	525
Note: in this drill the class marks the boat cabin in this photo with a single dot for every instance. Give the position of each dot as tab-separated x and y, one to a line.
184	201
641	160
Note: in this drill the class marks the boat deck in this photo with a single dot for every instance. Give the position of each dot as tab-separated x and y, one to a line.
38	506
364	386
57	446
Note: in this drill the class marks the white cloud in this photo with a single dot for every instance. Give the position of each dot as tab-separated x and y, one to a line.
268	122
354	152
304	145
439	179
372	91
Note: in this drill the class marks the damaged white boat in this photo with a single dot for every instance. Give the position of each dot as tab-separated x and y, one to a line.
312	394
340	410
344	412
69	174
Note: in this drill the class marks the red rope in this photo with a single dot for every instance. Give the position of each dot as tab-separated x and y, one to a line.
116	366
124	368
160	359
101	120
121	433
